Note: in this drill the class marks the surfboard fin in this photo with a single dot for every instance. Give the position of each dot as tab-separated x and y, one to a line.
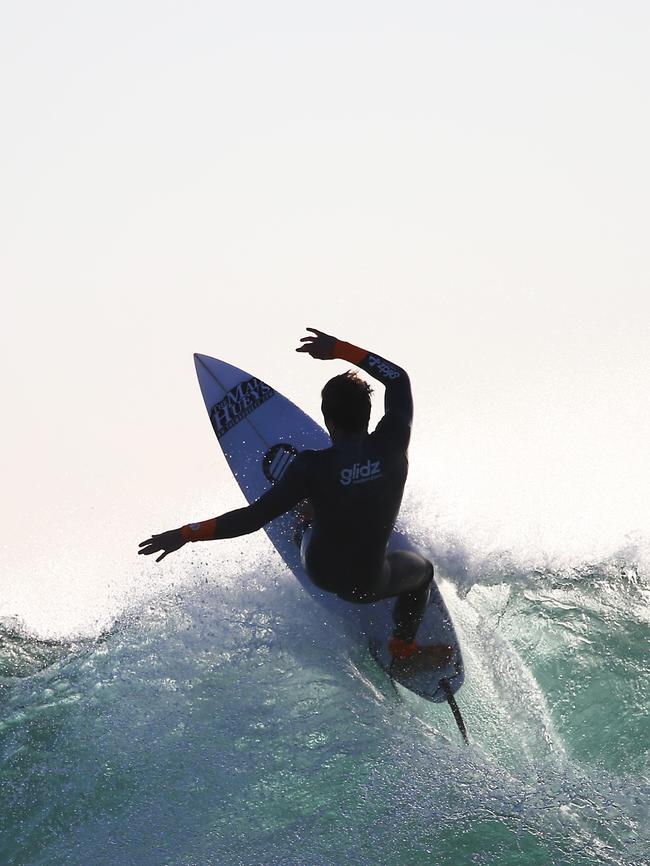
451	700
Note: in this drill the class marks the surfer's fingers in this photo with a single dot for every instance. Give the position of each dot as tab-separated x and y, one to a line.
148	541
307	344
151	545
320	336
163	555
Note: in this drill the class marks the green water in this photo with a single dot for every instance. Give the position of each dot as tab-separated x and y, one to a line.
223	727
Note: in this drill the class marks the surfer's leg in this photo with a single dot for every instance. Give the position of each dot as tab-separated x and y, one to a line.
410	579
305	538
304	516
413	575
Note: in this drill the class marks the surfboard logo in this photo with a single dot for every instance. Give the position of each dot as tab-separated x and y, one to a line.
277	459
239	402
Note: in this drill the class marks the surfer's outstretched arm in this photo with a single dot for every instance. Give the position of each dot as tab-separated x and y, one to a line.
398	401
287	492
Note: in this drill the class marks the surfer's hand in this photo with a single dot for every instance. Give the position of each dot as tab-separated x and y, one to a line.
168	542
319	346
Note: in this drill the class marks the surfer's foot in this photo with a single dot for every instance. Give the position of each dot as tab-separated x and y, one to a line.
409	657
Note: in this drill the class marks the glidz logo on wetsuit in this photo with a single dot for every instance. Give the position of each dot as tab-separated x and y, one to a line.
361	472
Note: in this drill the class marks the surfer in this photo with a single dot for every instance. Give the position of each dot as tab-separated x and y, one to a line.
352	493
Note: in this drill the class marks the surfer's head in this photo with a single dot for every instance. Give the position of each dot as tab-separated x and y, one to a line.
346	403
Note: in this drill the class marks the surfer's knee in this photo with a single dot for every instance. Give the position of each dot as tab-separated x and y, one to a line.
409	567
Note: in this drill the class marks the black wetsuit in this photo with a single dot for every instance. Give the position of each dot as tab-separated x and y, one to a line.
355	488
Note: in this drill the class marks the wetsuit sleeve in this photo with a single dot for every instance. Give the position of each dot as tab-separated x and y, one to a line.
286	493
398	399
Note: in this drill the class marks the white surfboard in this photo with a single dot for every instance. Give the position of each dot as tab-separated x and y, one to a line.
260	432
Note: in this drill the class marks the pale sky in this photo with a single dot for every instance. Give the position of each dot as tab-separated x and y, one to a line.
461	187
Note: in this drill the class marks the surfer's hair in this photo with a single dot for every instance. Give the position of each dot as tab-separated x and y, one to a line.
346	402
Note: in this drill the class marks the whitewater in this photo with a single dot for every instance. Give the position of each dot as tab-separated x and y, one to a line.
216	716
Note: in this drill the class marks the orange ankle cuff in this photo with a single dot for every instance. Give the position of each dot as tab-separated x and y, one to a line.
402	649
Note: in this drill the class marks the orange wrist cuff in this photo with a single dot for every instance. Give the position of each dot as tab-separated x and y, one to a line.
348	352
203	531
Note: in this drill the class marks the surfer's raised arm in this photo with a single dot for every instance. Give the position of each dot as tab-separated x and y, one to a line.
398	400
